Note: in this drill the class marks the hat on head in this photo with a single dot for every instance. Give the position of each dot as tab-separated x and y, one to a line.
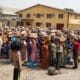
10	33
44	34
23	32
33	35
52	34
62	38
52	31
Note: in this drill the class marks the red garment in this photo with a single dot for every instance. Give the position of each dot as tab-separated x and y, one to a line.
76	46
44	56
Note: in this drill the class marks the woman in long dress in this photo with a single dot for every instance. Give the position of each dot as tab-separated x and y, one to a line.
34	53
44	55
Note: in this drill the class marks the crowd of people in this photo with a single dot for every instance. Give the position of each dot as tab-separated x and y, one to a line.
40	47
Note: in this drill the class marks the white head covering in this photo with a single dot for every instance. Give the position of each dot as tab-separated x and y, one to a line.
53	34
33	35
44	34
24	42
23	32
62	38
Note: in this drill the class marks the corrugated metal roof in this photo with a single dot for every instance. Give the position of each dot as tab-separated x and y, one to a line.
8	11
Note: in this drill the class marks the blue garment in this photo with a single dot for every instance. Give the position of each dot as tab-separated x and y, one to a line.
29	49
4	49
13	38
69	46
32	64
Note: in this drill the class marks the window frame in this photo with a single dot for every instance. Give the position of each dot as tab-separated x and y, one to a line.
27	23
38	15
48	24
28	15
49	15
20	15
61	16
38	23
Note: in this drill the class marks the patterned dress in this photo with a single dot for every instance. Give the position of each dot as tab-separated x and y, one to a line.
34	51
52	53
33	57
44	56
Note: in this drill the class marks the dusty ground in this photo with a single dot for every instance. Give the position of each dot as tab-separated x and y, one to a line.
6	71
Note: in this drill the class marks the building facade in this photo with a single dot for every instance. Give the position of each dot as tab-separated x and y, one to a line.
45	16
7	17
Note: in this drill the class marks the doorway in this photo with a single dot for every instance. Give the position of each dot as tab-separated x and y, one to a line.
59	26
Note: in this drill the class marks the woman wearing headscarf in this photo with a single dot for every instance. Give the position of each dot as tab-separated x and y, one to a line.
34	52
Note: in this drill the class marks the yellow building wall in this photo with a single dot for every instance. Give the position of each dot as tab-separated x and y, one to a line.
44	20
75	23
74	26
46	10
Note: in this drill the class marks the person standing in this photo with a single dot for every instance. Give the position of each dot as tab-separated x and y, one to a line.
29	47
1	42
34	52
52	52
76	48
44	53
16	47
69	48
59	52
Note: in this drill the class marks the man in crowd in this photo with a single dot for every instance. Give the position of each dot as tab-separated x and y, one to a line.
76	48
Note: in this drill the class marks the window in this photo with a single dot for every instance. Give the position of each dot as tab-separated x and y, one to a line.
49	15
28	24
20	15
28	15
48	24
38	24
60	16
59	26
38	15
